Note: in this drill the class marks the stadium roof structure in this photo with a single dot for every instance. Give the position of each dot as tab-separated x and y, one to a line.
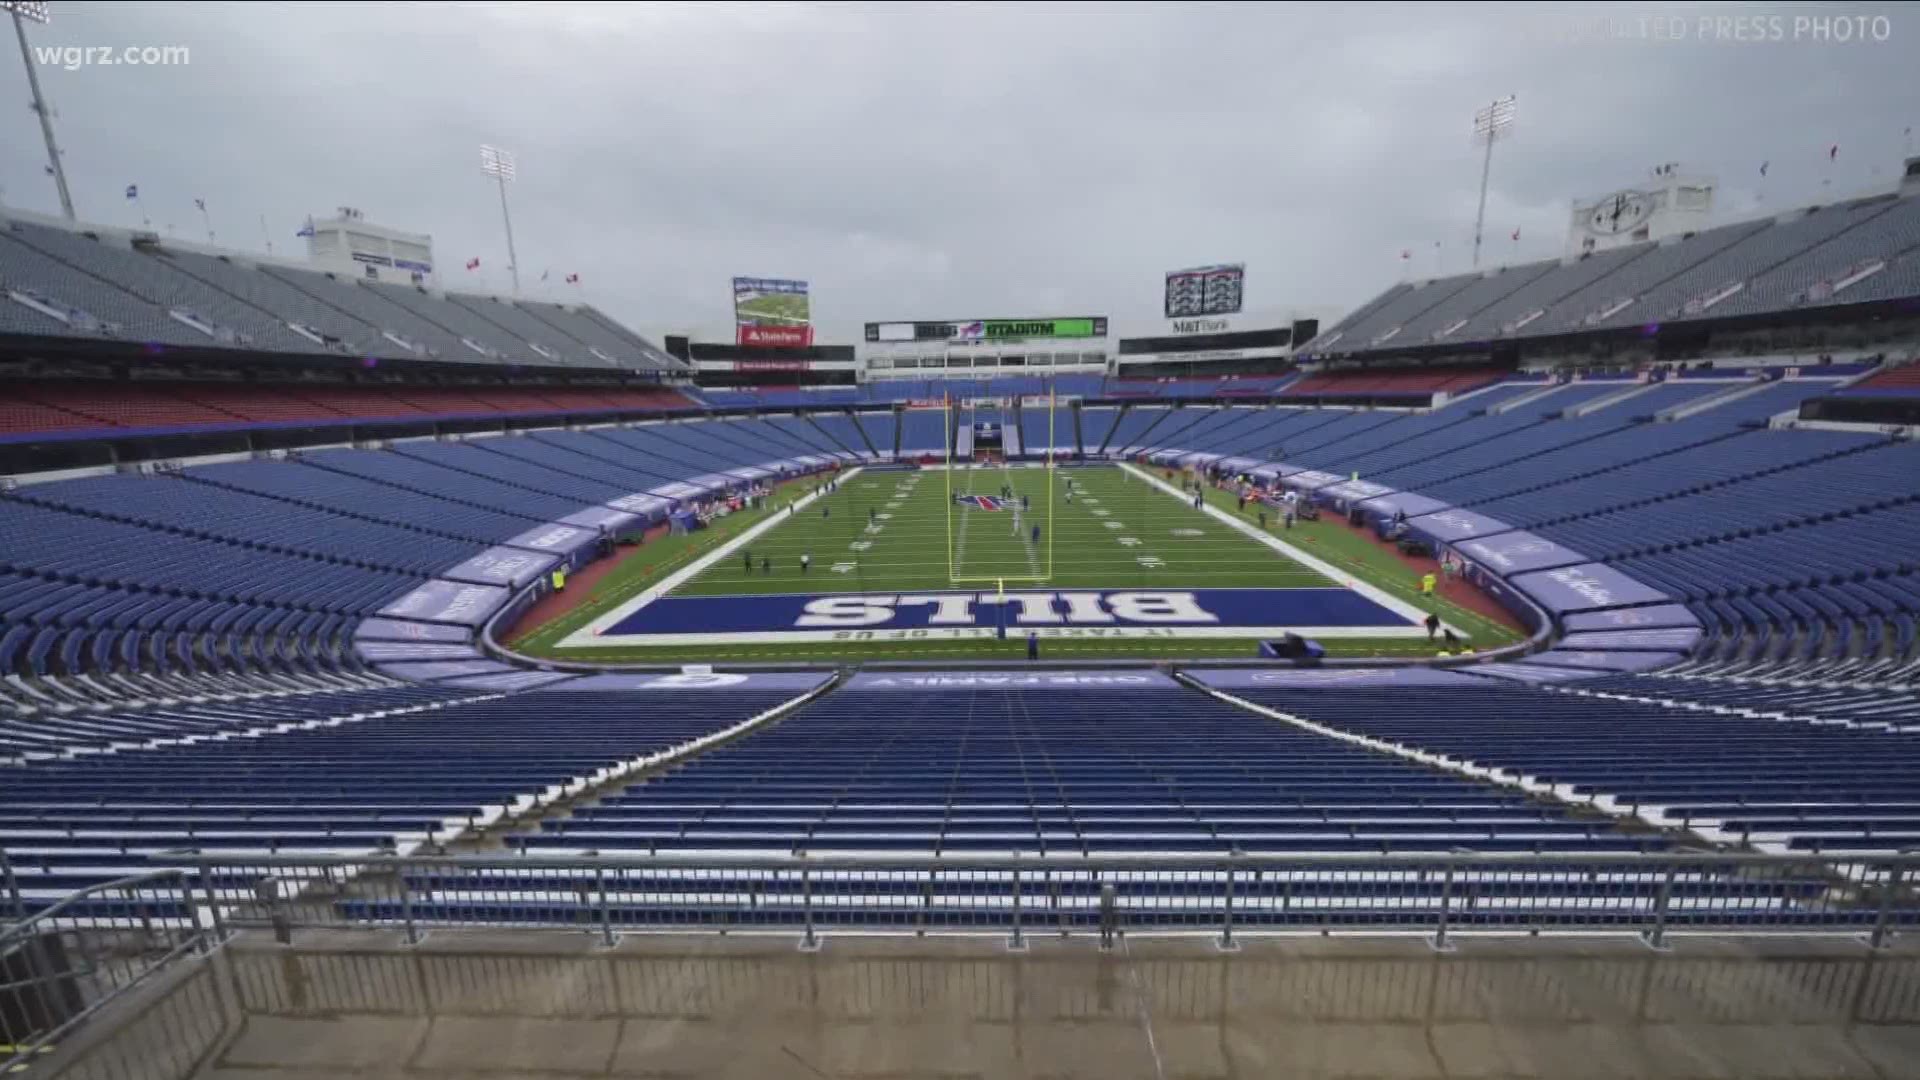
96	292
1805	264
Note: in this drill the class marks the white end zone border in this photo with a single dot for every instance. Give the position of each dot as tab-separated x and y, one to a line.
1312	562
589	634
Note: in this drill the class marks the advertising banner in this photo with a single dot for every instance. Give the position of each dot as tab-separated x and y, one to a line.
509	680
1073	680
1595	660
1452	526
978	330
380	651
571	545
1586	587
1405	502
1517	552
791	682
445	669
1306	678
1672	639
1659	616
509	566
1533	673
1310	480
772	313
606	520
407	630
459	603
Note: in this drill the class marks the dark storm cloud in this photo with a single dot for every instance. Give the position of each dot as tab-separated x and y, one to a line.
948	161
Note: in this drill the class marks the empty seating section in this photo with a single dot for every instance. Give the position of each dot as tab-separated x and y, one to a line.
158	283
1096	424
76	407
881	429
106	312
1850	252
923	432
1777	784
425	763
1831	489
508	466
178	506
1901	381
426	477
154	294
1042	429
1057	772
43	541
1875	231
299	482
1139	427
1417	383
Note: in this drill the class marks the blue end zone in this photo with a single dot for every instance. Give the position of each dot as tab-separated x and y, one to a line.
1089	613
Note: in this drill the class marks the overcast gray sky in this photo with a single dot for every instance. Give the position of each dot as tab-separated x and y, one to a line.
947	161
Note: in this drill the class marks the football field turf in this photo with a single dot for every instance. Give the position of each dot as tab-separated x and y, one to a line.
903	534
788	308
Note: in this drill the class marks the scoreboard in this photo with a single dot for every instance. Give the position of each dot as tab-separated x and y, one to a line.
966	331
1205	290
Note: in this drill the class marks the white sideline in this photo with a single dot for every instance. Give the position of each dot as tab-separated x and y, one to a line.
585	636
1333	573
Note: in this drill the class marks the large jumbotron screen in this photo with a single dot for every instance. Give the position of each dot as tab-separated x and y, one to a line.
772	312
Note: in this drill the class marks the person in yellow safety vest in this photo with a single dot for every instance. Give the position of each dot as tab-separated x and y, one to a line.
559	578
1427	582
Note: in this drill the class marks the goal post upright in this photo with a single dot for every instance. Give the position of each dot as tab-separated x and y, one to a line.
946	427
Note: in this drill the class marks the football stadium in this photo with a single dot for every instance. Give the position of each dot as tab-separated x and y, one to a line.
416	671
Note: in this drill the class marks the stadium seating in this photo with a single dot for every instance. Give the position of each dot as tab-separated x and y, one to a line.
74	409
1778	785
410	764
1846	253
106	289
952	770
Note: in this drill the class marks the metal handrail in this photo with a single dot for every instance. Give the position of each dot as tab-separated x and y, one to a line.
1545	861
26	927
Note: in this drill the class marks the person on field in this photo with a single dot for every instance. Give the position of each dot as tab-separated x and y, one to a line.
766	565
1427	582
806	562
1263	521
1036	534
1433	625
1033	645
749	557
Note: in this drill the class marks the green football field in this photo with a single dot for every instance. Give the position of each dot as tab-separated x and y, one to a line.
902	532
787	309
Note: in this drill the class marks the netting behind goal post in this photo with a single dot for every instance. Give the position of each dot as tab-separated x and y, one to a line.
1039	565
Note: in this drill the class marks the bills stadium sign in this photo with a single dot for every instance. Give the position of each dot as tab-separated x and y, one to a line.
949	615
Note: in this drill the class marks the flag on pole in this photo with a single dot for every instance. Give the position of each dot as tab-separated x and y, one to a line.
1516	234
473	263
133	191
201	205
307	229
1405	254
1833	151
1763	169
544	273
573	279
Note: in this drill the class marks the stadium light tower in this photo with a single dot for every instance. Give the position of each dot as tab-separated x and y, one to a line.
498	164
24	12
1489	125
